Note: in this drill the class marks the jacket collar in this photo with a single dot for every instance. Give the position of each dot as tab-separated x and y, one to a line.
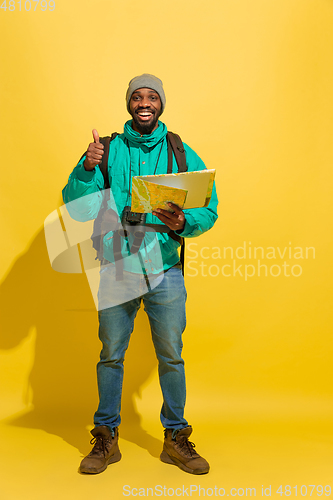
145	140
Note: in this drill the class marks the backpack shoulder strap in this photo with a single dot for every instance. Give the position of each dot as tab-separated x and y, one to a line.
98	233
104	164
176	146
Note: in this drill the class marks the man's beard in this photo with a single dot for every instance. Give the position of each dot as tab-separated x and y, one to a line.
143	127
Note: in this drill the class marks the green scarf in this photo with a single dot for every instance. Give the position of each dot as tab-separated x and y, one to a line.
148	140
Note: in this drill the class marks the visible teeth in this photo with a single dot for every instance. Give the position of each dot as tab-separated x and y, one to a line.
144	113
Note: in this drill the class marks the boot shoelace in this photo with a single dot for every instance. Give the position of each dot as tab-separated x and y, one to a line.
187	446
99	445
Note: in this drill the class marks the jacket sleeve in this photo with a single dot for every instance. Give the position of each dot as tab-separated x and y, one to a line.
83	193
198	220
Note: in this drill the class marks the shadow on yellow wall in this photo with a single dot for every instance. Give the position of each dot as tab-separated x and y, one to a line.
63	377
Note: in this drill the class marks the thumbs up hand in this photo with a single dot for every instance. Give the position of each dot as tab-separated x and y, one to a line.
94	152
95	135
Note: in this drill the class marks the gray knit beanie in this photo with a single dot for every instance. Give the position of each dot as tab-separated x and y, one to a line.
145	81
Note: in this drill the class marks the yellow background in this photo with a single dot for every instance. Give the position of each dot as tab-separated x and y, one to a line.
249	88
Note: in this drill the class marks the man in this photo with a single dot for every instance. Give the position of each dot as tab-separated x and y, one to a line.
142	149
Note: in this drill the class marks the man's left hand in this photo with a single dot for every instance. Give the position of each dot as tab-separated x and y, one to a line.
174	220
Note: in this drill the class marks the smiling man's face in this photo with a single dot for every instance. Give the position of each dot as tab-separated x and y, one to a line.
145	108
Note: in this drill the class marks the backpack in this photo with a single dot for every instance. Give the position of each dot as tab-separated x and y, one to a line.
107	219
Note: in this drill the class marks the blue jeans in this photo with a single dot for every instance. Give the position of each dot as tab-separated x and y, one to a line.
165	306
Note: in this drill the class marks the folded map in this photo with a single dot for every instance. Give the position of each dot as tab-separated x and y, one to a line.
185	189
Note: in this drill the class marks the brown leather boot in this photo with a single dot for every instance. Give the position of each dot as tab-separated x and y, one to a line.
180	451
104	452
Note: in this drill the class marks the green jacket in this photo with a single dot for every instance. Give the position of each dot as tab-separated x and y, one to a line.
132	154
